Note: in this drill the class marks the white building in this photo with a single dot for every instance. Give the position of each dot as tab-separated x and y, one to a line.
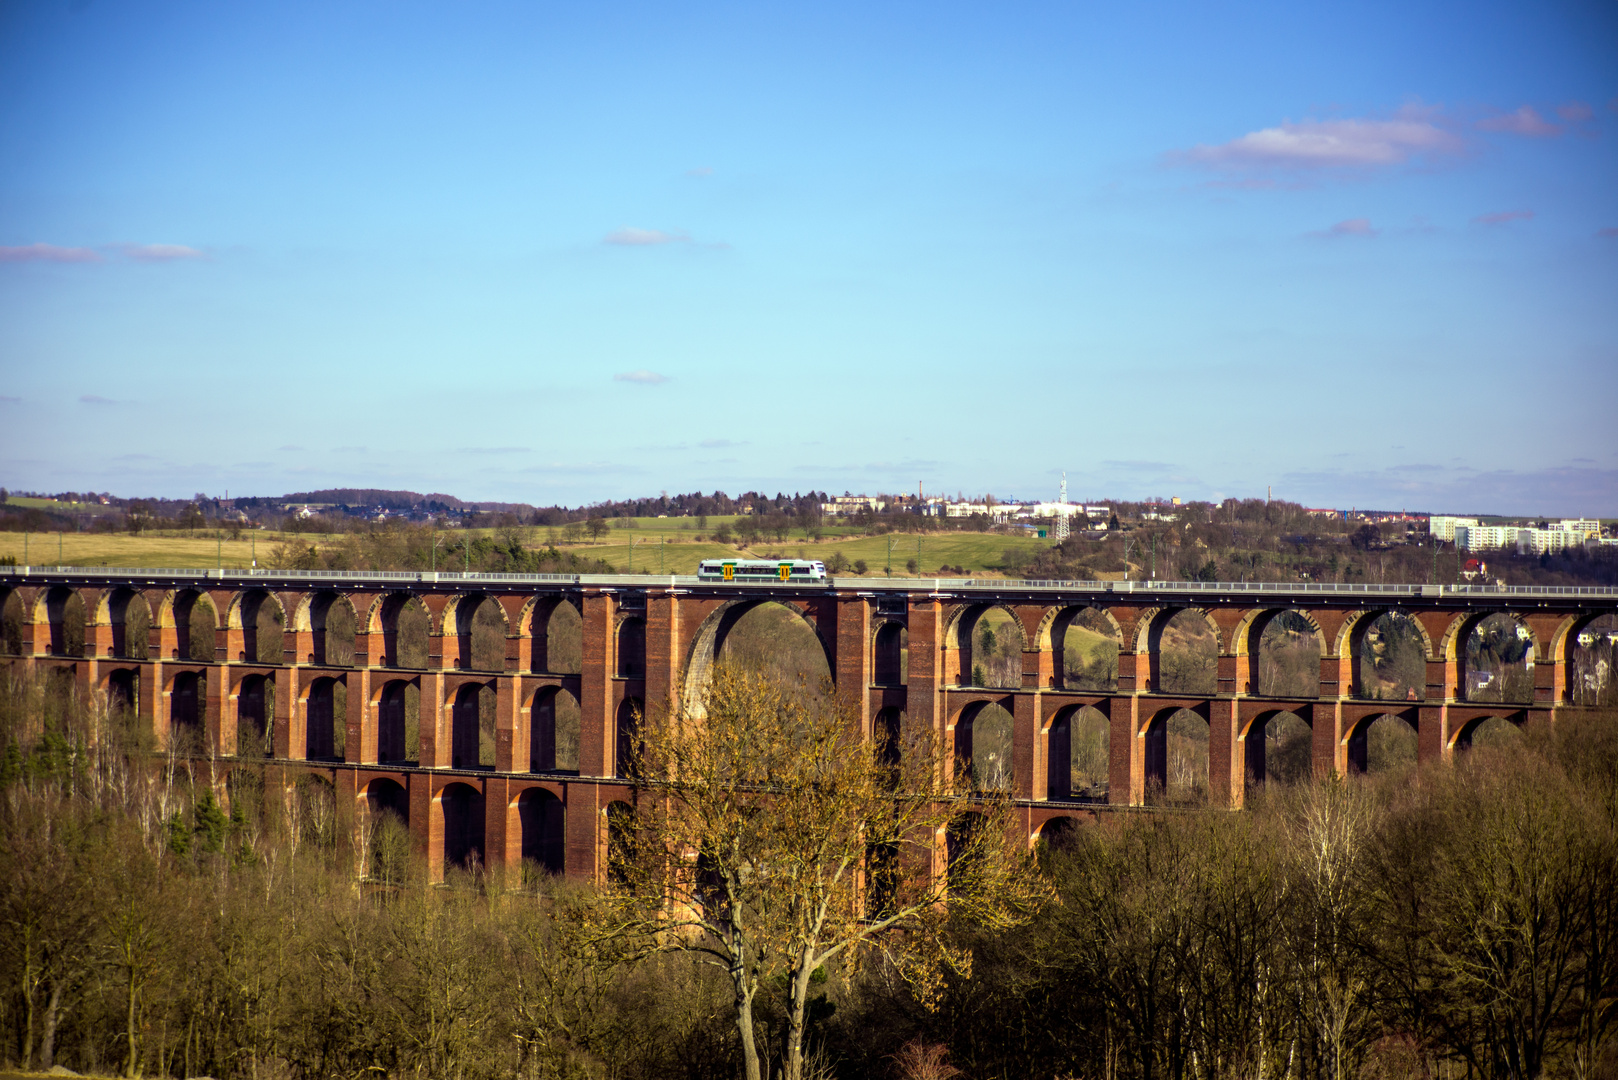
1583	528
1050	510
1442	527
844	505
1543	541
1474	537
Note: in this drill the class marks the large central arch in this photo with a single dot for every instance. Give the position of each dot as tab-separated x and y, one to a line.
710	639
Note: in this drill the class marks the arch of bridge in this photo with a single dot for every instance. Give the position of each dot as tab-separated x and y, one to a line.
1355	624
1245	636
1149	627
1047	623
697	672
1460	628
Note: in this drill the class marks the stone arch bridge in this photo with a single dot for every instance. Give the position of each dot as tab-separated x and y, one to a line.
490	711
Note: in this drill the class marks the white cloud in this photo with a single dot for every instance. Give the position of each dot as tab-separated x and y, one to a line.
648	378
1350	227
1331	144
159	252
627	236
1524	121
48	253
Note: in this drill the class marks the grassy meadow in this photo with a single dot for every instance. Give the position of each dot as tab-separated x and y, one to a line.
655	545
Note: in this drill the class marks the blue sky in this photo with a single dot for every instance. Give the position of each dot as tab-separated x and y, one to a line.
1364	253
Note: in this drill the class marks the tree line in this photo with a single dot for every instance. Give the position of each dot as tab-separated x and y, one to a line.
162	919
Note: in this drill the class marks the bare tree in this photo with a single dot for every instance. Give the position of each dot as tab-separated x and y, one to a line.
773	839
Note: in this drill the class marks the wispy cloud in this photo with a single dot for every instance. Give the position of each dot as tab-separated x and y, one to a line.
1524	121
7	399
158	252
1609	233
1503	217
49	253
1351	227
719	444
644	377
291	447
95	399
493	450
587	468
1139	466
627	236
1575	112
700	170
1331	144
1559	490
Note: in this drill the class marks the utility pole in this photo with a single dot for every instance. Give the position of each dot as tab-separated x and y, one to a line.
889	567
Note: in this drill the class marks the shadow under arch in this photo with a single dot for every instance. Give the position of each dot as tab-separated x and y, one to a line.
191	615
1078	755
1384	743
553	731
542	827
66	618
398	719
480	631
329	618
405	625
890	653
459	808
255	717
556	630
13	620
257	613
472	726
1279	748
1058	834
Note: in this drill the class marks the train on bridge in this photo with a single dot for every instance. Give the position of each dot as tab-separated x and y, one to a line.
492	712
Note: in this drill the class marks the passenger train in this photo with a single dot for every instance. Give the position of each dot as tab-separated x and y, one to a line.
761	570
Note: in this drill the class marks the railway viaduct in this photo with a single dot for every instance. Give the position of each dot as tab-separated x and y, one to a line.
491	769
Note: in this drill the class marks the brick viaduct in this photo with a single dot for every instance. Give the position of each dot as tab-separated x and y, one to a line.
643	639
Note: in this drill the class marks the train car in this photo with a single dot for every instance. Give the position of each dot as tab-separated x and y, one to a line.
789	570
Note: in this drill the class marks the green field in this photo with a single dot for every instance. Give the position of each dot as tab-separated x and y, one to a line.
121	549
660	545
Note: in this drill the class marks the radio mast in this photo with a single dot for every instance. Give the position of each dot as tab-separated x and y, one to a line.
1061	515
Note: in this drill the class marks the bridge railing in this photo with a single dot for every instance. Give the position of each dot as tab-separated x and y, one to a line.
861	584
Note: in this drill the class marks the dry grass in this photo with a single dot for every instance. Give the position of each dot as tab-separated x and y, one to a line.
666	549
